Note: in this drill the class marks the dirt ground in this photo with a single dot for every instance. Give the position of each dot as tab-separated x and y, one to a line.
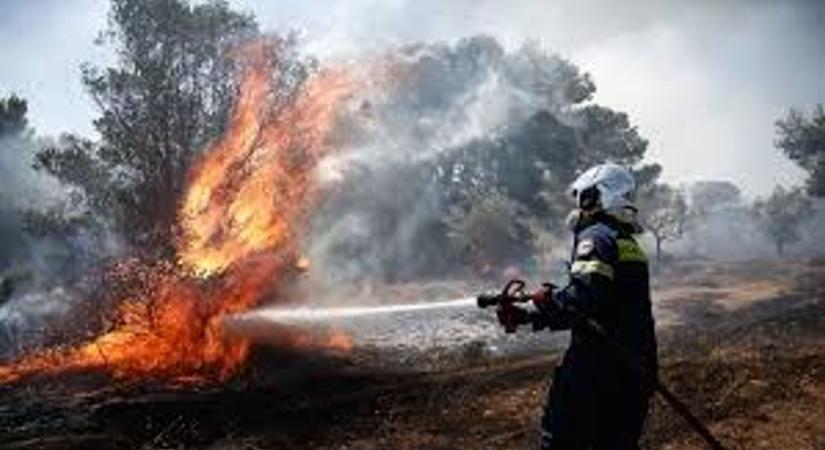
742	343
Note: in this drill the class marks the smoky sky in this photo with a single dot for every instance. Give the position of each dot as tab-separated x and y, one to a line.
703	80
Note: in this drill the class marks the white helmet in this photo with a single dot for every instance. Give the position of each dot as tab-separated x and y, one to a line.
608	186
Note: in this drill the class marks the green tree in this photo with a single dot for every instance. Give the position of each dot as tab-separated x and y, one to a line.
13	142
606	135
802	139
466	121
663	212
707	197
646	176
489	234
782	214
168	95
537	155
13	121
40	222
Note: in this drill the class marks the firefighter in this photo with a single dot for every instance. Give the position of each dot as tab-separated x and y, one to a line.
596	401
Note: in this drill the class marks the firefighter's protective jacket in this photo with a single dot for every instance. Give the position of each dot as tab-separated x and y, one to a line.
609	282
595	398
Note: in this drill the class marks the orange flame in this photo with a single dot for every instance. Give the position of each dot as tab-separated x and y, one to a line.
241	217
249	192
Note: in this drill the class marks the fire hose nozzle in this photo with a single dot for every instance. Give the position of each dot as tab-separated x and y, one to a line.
488	300
513	292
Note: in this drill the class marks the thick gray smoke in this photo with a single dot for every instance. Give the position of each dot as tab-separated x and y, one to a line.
722	226
703	79
385	220
726	235
41	276
23	189
736	235
813	233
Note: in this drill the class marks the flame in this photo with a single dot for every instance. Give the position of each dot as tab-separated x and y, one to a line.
240	218
339	342
253	186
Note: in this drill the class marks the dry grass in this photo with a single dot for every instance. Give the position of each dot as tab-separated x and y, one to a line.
748	355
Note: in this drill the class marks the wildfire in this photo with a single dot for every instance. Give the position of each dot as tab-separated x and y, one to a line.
251	189
241	217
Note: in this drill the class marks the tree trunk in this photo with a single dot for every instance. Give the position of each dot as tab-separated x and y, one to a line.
780	249
658	249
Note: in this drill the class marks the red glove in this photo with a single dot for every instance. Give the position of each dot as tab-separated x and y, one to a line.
543	299
510	317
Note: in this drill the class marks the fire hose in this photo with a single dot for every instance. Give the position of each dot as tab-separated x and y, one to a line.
514	293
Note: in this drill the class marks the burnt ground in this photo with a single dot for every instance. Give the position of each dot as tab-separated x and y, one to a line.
742	343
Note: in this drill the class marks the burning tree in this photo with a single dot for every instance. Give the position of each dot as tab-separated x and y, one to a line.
782	214
663	213
169	95
241	216
210	137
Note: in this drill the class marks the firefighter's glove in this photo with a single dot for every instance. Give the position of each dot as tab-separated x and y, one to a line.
550	312
544	300
510	317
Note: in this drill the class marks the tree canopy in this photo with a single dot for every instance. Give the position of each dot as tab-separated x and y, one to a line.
709	196
664	213
459	120
802	138
781	216
13	119
168	95
479	140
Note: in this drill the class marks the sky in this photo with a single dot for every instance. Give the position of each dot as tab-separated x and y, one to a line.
704	80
